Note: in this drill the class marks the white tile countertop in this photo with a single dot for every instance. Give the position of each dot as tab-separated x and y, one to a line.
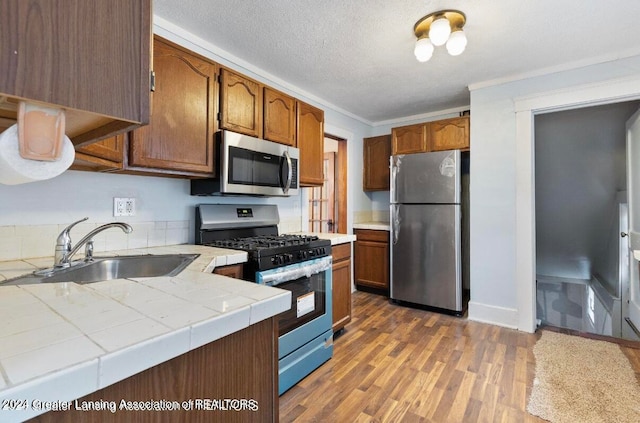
376	226
334	238
61	341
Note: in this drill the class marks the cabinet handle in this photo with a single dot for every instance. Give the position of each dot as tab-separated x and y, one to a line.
152	81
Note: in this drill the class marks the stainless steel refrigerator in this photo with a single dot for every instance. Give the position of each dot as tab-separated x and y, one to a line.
426	229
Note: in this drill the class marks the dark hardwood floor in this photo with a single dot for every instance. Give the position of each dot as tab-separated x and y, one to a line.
400	364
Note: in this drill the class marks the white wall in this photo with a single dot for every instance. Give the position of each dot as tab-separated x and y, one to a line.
494	189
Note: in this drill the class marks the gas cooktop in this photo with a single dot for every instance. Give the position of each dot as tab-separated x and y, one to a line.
262	242
271	251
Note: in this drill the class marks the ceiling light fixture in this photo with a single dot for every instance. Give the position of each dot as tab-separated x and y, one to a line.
438	28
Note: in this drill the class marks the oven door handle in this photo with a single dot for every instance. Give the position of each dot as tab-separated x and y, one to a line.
275	277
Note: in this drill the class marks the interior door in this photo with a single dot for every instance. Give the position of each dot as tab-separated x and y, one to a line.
633	190
322	201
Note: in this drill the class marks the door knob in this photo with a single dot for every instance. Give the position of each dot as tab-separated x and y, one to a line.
623	234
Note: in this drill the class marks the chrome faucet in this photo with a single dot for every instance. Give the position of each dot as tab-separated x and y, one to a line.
64	250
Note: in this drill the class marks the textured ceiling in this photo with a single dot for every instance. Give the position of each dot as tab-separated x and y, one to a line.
358	54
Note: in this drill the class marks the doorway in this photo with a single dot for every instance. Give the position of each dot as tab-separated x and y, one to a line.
328	203
581	267
322	201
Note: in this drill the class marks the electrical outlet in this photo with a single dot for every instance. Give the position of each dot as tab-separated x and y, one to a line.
124	206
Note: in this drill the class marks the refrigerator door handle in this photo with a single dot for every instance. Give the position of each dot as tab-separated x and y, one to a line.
392	179
395	223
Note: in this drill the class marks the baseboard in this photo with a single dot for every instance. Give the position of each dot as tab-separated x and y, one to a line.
500	316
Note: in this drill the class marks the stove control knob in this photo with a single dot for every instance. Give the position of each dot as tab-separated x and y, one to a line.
312	253
288	258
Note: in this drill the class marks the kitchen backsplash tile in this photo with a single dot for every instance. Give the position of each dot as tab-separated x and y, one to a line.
380	215
362	216
33	241
290	225
371	216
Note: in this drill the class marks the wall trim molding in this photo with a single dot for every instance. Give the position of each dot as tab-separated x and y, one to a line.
422	116
610	57
500	316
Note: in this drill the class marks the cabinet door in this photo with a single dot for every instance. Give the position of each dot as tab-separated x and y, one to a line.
240	104
377	151
450	134
90	57
180	136
341	294
410	139
372	264
109	149
310	138
341	285
101	156
279	117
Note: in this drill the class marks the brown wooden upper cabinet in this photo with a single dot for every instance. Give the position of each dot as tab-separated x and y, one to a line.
90	57
279	117
446	134
450	134
377	151
310	135
180	137
410	139
105	155
240	104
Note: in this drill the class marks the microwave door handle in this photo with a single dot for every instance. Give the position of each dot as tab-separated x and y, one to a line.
287	184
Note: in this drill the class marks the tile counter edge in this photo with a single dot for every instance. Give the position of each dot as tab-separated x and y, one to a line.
100	370
333	237
375	226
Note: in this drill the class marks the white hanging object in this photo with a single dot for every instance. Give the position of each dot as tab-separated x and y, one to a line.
14	169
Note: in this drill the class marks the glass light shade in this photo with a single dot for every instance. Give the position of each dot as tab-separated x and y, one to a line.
424	49
439	31
457	42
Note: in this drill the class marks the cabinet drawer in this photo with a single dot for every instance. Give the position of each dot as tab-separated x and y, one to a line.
372	235
341	251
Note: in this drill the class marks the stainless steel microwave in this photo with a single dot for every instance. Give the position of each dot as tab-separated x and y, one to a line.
251	166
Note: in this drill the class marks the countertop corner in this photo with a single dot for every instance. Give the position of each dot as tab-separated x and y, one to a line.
373	225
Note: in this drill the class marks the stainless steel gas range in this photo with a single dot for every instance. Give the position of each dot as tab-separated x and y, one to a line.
298	263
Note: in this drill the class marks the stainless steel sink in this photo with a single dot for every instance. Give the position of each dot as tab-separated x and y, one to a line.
107	268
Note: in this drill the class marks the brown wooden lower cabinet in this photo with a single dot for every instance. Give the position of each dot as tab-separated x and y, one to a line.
372	259
232	270
242	366
341	275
